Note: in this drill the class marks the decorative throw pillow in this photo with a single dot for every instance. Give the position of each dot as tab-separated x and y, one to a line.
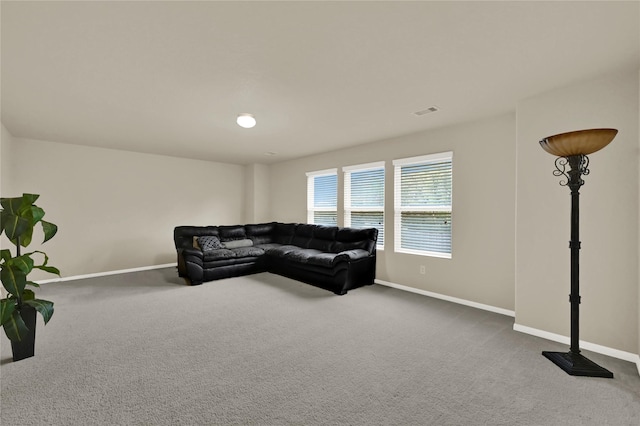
209	242
238	243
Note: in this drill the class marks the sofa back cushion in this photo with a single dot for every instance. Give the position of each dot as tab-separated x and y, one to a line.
303	235
324	238
351	238
234	232
262	233
284	233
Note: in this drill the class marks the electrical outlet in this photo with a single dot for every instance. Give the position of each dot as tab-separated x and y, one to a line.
423	270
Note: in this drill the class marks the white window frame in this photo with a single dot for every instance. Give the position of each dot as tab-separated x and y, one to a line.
398	209
347	170
311	208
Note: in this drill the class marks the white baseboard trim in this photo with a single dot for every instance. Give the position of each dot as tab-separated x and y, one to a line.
448	298
604	350
104	274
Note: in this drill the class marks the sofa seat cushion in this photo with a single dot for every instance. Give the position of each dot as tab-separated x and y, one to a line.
279	250
267	246
248	251
301	255
285	266
218	254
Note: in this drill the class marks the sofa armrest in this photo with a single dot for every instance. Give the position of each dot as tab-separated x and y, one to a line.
190	264
192	253
354	254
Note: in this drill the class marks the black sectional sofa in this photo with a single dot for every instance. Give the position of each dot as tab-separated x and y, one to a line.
336	259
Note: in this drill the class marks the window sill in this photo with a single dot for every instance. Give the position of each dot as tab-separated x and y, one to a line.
424	253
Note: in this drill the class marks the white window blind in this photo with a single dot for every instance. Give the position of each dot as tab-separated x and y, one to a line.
423	204
364	197
322	197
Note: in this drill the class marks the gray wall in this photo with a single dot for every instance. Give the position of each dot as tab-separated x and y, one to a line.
5	180
115	209
482	265
256	193
6	142
608	210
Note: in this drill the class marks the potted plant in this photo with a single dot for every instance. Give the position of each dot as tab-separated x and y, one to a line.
18	308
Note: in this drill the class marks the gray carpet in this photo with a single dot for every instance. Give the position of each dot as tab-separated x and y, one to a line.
144	349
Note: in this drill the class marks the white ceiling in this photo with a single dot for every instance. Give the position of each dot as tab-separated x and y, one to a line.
170	77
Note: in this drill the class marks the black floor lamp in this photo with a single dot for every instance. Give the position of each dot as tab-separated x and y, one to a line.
572	149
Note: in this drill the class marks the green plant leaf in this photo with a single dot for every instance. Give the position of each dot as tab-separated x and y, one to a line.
12	205
15	226
5	254
28	295
32	283
13	279
30	198
49	230
24	209
7	306
44	267
26	237
45	308
24	263
15	328
36	214
49	269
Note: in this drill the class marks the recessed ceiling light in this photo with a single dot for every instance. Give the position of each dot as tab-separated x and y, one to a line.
427	111
246	120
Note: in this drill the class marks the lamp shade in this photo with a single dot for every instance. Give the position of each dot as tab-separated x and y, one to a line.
580	142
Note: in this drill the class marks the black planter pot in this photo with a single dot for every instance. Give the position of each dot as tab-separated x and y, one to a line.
26	348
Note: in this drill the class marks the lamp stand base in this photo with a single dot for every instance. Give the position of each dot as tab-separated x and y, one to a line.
576	364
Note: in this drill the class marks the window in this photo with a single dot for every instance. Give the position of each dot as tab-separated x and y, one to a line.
423	187
364	197
322	197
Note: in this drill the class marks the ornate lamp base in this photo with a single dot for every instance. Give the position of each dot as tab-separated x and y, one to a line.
576	364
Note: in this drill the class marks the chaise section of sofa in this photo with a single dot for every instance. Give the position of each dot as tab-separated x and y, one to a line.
337	259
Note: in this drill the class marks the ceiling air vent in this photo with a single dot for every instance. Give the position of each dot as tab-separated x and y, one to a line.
427	111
